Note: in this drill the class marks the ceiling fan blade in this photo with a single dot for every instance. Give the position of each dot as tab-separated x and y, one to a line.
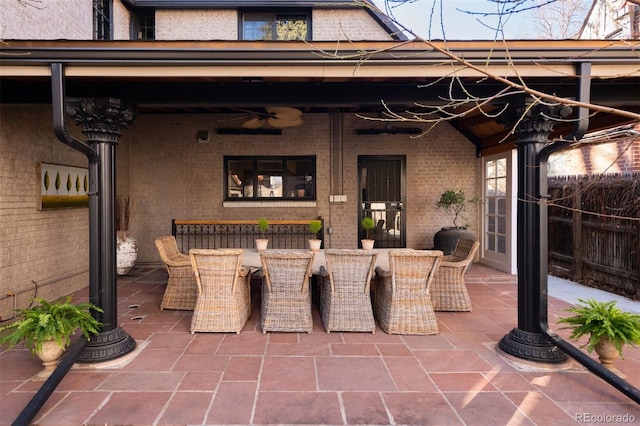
281	123
254	123
285	113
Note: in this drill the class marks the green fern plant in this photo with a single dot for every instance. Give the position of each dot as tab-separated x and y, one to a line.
602	319
46	321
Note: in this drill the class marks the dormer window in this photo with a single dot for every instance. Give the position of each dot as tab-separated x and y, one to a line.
275	26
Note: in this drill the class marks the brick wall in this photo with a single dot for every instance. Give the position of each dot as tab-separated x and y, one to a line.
614	157
173	176
53	19
196	25
43	249
346	25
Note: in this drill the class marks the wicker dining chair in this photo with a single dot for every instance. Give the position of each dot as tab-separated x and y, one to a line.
449	292
402	303
345	300
286	294
181	291
224	291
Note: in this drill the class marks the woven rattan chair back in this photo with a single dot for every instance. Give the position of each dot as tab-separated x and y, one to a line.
224	293
181	291
346	292
402	302
449	292
286	295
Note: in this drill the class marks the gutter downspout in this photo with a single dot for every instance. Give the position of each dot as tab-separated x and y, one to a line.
57	101
584	73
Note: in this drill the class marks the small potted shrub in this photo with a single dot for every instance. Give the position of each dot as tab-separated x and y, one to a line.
453	202
46	329
314	227
367	224
262	242
609	329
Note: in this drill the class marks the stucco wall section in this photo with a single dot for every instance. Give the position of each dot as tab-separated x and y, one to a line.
173	176
121	21
48	20
196	25
48	247
346	25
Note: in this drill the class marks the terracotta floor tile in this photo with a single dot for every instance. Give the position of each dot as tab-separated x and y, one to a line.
298	349
200	381
314	408
459	382
139	408
141	381
420	408
242	368
186	408
388	349
360	349
201	363
452	361
364	408
484	408
353	374
232	404
155	360
75	409
243	344
455	377
408	375
204	344
288	374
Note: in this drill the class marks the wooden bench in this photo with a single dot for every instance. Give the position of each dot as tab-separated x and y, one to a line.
215	234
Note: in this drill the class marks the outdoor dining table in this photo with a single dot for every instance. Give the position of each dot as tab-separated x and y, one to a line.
251	259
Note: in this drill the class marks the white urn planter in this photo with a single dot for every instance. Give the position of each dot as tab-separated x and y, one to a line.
126	252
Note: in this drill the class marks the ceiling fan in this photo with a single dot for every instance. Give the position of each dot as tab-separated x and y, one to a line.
278	117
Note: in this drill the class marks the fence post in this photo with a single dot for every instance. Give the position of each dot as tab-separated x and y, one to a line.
577	231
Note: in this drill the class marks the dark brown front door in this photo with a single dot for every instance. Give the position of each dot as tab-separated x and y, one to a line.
382	197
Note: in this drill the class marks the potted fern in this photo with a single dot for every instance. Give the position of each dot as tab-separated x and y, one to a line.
454	202
609	329
262	242
46	329
314	227
367	224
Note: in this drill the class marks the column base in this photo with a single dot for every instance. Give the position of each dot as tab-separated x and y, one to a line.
531	346
107	345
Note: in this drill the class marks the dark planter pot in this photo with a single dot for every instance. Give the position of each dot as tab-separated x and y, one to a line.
447	238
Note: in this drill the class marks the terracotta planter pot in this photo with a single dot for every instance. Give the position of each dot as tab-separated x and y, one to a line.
50	356
608	354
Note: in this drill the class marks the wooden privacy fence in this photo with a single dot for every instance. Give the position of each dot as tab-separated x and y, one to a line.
594	231
282	234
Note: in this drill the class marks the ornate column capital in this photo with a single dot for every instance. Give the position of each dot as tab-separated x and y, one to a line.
100	118
533	122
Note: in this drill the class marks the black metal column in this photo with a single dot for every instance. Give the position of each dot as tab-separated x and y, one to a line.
533	124
100	120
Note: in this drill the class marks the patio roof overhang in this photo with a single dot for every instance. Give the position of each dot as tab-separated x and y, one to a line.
162	77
